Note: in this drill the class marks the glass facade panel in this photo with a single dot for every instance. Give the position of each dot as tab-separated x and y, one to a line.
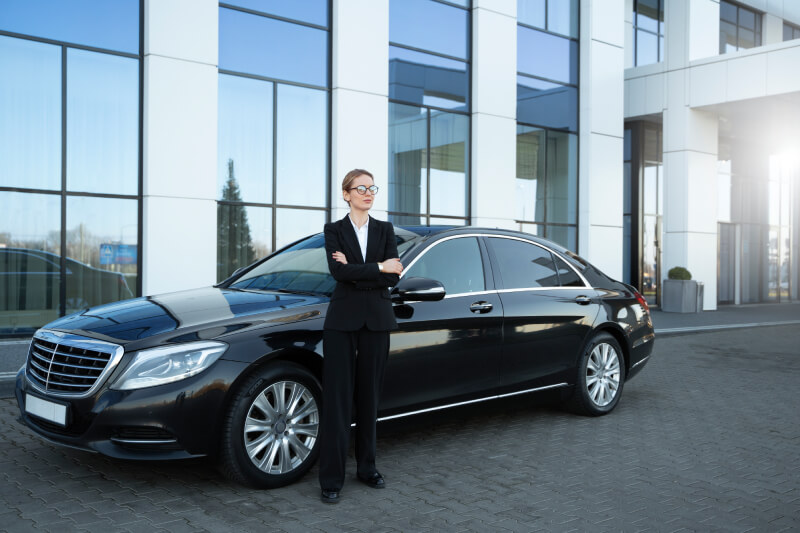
408	161
30	107
740	28
429	25
790	32
532	12
727	37
647	15
245	139
566	236
313	11
264	46
302	146
529	191
547	104
646	48
244	234
294	224
102	249
427	79
560	63
562	17
562	178
97	23
448	163
30	262
102	123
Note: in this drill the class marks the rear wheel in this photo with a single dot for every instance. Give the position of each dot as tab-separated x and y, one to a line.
271	431
601	376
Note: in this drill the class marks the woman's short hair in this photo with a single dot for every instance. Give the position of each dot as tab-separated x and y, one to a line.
352	175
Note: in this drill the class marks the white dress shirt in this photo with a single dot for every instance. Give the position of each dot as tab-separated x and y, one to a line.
361	233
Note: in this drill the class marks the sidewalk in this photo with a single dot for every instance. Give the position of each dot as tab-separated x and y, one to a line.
726	317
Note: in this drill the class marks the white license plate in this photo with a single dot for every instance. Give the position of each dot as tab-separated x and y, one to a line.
54	412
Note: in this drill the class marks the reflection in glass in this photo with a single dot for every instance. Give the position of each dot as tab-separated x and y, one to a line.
30	107
429	25
448	163
646	48
295	224
268	47
244	234
111	25
102	249
456	264
562	177
529	191
648	15
649	258
426	79
408	163
562	17
30	244
532	12
313	11
302	156
547	104
547	56
102	123
245	137
523	265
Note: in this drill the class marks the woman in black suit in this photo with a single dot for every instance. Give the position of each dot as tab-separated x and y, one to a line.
362	257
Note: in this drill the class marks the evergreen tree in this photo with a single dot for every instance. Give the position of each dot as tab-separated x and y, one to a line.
234	242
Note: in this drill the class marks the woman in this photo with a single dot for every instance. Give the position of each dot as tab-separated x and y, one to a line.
362	257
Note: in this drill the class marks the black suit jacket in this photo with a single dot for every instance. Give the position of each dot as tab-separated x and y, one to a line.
361	297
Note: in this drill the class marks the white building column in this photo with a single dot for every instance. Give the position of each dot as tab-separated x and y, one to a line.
494	109
602	57
179	233
360	98
690	150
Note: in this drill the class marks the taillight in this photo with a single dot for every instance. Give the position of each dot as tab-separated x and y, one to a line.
642	301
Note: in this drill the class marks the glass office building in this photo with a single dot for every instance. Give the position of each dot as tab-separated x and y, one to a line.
132	166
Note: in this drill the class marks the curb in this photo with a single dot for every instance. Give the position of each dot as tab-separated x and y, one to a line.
706	329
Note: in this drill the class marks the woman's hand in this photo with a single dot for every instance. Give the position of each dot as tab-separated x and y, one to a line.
392	266
339	257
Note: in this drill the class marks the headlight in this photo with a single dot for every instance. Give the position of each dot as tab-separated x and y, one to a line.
169	363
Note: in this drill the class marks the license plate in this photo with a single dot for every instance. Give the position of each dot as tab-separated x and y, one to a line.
54	412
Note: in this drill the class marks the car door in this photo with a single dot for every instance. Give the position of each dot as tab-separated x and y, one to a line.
548	311
446	350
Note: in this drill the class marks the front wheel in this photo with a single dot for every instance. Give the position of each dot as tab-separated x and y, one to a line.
601	376
271	432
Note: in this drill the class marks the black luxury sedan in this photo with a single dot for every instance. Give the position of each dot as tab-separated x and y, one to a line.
234	370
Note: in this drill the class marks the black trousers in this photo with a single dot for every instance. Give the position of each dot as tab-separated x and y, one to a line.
353	369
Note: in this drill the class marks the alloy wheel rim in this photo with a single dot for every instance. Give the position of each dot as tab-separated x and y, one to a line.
603	374
281	427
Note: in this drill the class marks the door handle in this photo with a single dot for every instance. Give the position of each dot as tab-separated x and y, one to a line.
480	307
583	300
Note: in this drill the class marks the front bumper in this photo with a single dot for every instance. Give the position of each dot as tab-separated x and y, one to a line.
171	421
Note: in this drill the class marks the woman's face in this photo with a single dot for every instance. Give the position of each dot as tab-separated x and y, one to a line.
362	202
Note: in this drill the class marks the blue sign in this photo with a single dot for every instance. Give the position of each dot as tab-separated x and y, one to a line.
118	254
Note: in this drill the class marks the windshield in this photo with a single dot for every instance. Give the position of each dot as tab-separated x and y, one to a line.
303	267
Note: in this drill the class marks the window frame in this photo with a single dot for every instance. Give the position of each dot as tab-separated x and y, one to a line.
759	26
659	34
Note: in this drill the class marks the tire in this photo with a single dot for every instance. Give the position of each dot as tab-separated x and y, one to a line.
270	434
600	377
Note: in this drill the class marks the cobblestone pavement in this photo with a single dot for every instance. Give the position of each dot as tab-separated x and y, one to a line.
706	438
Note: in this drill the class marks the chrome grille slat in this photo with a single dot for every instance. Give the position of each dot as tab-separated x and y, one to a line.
63	364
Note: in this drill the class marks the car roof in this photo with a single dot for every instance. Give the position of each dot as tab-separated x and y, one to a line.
426	231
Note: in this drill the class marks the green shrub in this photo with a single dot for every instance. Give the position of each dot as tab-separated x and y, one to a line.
679	273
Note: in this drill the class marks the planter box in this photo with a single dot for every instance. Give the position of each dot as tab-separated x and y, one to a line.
682	296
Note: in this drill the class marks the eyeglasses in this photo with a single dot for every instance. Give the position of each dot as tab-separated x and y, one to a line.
362	189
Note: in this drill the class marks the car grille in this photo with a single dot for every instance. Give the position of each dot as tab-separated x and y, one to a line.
68	365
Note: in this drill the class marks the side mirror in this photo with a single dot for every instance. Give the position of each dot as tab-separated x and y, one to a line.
418	289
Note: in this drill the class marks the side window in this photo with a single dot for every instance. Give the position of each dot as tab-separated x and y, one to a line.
566	275
455	263
523	265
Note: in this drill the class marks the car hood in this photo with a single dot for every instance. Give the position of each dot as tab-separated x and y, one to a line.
222	310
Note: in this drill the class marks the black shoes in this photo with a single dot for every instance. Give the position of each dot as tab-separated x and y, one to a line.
330	496
374	480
